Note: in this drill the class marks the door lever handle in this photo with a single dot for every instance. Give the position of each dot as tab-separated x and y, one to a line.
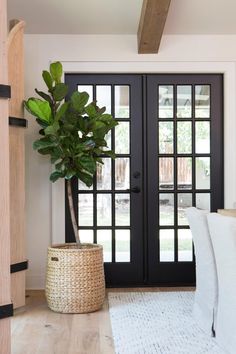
135	189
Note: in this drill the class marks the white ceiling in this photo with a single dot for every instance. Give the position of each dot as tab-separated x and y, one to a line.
121	16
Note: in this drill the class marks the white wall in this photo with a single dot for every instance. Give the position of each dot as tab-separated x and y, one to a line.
103	53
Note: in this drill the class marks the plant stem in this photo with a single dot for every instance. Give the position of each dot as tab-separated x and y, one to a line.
72	213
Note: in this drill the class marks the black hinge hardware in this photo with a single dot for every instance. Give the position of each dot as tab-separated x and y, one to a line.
6	311
18	267
18	122
5	91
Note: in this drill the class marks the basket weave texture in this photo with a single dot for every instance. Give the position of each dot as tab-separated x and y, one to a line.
75	278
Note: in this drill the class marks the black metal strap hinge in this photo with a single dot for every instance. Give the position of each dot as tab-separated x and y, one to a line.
18	122
18	267
5	91
6	311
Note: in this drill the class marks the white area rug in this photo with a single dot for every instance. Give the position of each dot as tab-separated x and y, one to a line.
157	322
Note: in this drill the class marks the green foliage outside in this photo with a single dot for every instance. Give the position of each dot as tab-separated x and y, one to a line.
184	135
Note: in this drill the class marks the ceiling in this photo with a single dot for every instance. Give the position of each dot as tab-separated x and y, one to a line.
121	16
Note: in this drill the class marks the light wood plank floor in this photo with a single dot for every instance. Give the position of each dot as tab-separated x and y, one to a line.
37	330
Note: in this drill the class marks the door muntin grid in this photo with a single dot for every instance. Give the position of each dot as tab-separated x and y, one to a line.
184	164
108	201
196	177
119	229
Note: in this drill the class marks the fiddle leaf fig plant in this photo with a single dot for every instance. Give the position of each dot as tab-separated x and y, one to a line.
72	132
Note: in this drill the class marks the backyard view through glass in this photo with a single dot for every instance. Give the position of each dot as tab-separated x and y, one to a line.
176	125
96	203
169	157
184	164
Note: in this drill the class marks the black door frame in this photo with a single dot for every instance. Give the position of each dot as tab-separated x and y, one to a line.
123	274
176	273
147	243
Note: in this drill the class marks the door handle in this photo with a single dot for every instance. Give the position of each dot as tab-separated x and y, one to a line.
135	189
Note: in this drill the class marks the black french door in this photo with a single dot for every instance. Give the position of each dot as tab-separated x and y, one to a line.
169	156
185	144
111	211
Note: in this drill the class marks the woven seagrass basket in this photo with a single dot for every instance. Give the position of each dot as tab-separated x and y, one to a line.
75	278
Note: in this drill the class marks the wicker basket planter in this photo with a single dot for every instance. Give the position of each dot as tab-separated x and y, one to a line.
75	278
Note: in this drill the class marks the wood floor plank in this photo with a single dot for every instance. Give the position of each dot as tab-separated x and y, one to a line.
38	330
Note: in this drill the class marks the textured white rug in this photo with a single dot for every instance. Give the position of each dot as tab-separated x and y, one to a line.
157	322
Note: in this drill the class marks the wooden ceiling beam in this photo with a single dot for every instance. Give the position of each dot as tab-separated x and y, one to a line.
151	25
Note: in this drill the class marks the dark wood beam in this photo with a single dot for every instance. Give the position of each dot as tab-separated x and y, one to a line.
151	25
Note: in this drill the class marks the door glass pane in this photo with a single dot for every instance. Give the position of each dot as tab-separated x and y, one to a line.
184	101
203	201
122	245
166	207
202	101
184	202
165	137
122	173
108	140
202	137
184	173
166	173
122	138
185	246
104	174
104	239
86	236
121	101
184	137
82	186
122	208
203	172
103	209
103	97
167	246
88	89
166	101
85	209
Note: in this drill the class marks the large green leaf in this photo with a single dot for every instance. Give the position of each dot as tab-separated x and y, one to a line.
70	173
60	92
106	117
101	110
45	151
83	124
56	175
56	71
84	177
56	154
60	165
47	79
87	162
109	153
42	123
91	110
79	100
99	142
44	96
43	143
98	125
52	129
40	109
100	133
61	111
